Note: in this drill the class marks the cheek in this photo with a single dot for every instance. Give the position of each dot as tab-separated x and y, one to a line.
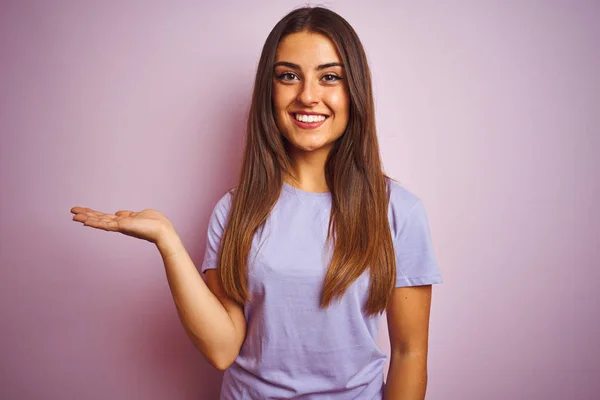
276	99
282	98
339	104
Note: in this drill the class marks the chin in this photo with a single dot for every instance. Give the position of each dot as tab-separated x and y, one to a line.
310	146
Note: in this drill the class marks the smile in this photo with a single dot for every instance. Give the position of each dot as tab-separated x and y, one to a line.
308	121
309	118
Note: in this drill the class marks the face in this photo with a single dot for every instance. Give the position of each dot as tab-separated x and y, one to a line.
310	95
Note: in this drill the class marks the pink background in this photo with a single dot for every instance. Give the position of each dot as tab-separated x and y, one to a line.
488	110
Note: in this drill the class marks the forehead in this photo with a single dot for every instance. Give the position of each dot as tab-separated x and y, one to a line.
307	49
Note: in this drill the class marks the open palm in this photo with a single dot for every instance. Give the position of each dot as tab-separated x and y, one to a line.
147	224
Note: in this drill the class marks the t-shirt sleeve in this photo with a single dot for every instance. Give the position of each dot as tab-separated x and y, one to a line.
216	226
416	263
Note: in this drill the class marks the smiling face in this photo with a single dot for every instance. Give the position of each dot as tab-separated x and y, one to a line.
310	95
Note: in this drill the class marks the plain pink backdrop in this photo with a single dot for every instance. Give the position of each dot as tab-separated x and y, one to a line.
487	110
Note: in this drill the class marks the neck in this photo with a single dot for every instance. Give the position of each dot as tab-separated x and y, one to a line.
308	170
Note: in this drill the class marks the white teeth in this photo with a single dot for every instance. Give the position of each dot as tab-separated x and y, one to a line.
309	118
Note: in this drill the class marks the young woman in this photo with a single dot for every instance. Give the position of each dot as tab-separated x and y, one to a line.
313	244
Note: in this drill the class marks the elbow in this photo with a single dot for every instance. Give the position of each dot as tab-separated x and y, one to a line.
222	358
221	362
410	352
219	355
222	367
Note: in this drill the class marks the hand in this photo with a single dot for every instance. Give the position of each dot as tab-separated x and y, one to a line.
149	225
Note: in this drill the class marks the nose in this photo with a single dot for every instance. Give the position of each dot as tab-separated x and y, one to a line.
309	93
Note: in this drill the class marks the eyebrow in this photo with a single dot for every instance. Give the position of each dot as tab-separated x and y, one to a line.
297	67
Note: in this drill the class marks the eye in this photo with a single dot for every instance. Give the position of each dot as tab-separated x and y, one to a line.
287	77
331	78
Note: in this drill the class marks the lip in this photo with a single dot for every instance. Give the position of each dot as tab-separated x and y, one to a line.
307	113
308	125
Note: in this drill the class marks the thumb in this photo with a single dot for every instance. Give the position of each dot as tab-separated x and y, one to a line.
123	213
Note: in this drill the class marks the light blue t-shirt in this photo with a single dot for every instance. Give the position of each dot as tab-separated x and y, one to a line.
293	348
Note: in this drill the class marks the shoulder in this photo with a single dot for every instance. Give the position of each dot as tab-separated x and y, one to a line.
400	197
225	201
402	202
221	209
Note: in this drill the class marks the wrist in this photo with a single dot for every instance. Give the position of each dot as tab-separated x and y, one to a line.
169	243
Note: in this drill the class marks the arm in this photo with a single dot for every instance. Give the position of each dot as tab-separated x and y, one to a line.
408	324
214	322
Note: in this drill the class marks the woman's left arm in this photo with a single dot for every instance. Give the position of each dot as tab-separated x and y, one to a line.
408	325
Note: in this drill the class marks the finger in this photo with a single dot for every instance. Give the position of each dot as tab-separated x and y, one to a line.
103	224
80	217
97	214
123	213
86	211
95	219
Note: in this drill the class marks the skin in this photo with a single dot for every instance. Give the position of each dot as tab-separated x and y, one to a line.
302	84
215	324
213	321
310	88
408	325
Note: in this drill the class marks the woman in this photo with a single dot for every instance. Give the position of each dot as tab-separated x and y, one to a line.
313	244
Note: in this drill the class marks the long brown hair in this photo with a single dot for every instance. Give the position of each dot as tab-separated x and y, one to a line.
359	230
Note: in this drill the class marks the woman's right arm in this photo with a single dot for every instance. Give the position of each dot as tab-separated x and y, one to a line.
215	323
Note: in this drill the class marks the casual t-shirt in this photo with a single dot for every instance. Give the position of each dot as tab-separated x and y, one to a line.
293	348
